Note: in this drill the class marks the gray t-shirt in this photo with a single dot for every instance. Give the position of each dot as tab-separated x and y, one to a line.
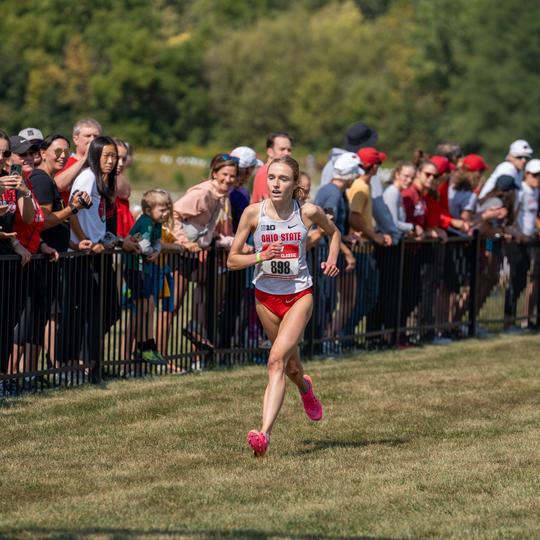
392	198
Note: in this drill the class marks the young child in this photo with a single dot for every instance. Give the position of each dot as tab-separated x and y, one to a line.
142	272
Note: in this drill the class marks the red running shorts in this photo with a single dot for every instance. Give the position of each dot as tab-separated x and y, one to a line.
279	304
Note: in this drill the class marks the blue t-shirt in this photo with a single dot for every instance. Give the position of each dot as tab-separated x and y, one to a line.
330	197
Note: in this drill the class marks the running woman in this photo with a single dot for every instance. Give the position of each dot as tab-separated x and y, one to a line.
283	285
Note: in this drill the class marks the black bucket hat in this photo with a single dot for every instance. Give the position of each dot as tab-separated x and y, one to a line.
359	136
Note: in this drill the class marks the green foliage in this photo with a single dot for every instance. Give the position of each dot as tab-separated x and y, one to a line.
224	72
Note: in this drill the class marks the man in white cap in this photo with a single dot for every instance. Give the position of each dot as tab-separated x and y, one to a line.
239	195
528	199
519	153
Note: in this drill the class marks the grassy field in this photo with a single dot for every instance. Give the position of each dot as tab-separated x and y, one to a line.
434	442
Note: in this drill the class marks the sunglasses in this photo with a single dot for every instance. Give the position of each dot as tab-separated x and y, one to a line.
535	175
228	157
5	153
60	152
429	175
524	158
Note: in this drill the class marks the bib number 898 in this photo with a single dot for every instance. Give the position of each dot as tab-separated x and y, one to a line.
280	267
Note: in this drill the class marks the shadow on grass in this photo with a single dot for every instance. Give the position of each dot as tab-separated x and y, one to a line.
314	445
131	534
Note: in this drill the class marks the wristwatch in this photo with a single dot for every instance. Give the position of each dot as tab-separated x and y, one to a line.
74	209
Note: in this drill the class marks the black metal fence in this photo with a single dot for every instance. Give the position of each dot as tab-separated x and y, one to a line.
82	319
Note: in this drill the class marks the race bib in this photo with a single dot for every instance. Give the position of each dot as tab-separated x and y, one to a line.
286	265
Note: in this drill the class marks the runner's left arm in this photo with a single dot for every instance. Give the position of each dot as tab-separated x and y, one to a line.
248	223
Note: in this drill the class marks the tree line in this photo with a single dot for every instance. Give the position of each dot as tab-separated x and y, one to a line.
159	72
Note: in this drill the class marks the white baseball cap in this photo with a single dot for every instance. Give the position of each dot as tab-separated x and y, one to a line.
247	157
32	134
533	166
347	164
520	148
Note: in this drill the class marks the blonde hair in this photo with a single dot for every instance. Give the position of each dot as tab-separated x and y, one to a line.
155	197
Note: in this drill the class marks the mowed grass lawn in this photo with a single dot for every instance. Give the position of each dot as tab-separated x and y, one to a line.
434	442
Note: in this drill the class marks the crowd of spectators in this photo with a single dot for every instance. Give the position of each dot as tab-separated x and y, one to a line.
53	201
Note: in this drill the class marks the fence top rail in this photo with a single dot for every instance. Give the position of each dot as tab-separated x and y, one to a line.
361	244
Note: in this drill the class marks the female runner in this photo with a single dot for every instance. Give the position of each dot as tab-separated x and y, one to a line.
283	285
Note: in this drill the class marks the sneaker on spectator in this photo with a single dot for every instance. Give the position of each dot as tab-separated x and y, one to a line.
153	357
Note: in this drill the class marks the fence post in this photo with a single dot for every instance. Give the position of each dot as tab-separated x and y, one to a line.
95	373
211	301
315	271
399	305
473	291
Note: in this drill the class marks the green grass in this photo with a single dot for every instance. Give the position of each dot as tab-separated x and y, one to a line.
423	443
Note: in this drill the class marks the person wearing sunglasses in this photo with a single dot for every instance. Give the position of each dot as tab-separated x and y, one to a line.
56	230
519	153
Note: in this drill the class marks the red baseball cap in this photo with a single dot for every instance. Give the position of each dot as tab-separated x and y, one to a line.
371	156
474	163
442	163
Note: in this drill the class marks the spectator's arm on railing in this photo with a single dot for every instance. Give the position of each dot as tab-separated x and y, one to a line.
349	257
356	222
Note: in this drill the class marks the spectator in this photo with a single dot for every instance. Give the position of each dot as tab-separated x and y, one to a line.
401	178
519	254
331	198
371	160
357	136
360	200
167	278
142	276
518	154
459	189
56	230
196	213
35	136
239	195
97	178
81	323
451	151
196	217
124	217
14	197
22	154
84	132
278	144
361	226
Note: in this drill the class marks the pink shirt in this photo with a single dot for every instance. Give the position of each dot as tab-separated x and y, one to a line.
200	206
260	185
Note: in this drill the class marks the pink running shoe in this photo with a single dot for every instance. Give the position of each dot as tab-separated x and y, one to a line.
259	442
312	405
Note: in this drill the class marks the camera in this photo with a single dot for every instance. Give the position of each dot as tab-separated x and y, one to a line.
81	200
